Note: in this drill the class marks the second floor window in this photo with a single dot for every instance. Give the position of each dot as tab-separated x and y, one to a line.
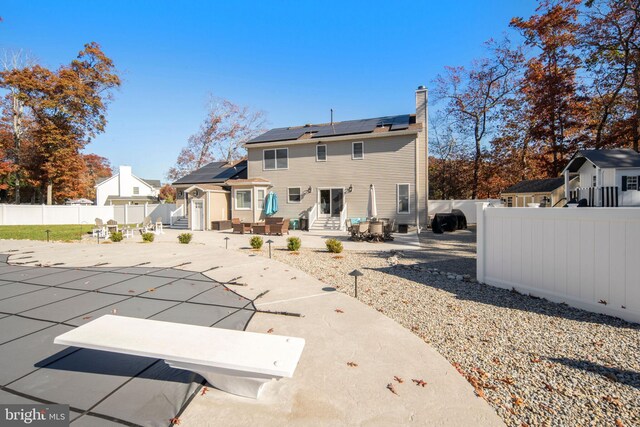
277	158
357	152
136	190
321	153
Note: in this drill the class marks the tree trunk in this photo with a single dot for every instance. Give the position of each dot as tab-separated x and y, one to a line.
476	170
636	126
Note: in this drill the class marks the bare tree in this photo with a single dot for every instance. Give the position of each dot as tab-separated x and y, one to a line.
221	135
473	95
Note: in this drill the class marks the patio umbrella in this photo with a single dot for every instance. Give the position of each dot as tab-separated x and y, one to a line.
271	204
267	204
373	209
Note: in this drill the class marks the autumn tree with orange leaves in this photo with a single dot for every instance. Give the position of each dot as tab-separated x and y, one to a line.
61	111
578	87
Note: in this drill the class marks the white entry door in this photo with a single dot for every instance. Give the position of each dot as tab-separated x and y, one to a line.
198	215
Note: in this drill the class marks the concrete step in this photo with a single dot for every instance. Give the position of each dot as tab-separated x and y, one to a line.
332	223
181	223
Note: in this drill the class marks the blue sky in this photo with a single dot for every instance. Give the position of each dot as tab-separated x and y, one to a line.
292	59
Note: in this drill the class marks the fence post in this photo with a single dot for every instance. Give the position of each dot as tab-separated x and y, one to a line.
126	213
42	216
480	241
146	208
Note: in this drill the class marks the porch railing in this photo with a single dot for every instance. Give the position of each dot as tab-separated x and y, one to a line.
176	214
313	215
603	197
343	218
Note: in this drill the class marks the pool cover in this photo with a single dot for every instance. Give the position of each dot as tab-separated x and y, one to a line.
103	388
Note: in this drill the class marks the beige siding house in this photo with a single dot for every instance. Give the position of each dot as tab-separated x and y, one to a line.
330	172
203	197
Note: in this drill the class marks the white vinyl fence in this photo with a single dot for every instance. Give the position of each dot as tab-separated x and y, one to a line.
585	257
49	215
468	207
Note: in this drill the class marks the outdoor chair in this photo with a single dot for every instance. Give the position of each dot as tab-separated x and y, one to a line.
147	225
362	231
388	229
99	229
280	227
376	231
112	226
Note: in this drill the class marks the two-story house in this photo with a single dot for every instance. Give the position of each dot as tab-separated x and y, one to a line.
607	177
329	172
124	188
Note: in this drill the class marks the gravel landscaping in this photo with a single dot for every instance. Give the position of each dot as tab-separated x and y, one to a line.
536	362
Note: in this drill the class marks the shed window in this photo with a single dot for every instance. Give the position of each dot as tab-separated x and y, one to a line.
243	199
276	159
632	183
403	198
294	194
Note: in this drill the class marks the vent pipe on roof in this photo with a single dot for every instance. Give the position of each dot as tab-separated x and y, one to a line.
332	117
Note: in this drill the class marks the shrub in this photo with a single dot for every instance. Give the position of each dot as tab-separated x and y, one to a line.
256	242
294	243
334	245
116	237
148	237
185	238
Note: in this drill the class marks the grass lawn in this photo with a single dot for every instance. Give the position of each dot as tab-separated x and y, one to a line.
38	232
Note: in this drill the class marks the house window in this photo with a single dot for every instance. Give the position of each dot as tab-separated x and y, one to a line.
260	200
243	200
632	183
321	153
357	150
275	159
136	190
180	193
294	194
403	198
593	181
510	202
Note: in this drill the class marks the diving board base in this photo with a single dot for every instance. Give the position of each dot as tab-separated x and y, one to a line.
235	382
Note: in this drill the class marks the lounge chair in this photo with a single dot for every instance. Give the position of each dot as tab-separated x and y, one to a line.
280	227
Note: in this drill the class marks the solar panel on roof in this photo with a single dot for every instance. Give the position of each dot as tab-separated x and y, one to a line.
339	128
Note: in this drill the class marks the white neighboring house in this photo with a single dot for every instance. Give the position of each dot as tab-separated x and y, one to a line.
124	188
607	177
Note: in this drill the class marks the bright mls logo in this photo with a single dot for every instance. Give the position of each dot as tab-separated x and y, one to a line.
34	415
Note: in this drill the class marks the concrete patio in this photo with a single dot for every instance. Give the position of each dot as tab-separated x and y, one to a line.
347	370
